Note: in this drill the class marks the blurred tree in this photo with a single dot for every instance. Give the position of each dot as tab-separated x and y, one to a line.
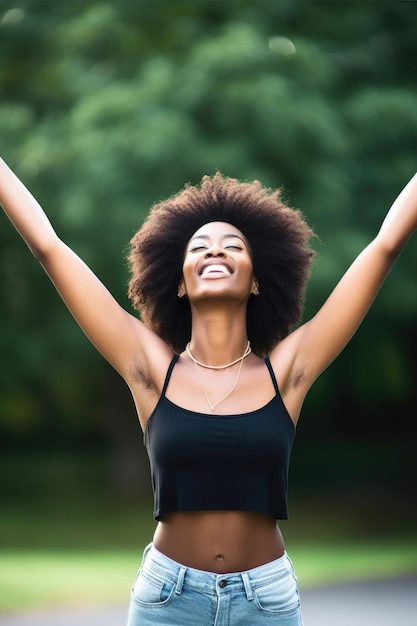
107	107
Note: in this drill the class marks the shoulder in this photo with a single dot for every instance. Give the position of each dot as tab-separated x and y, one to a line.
146	374
291	372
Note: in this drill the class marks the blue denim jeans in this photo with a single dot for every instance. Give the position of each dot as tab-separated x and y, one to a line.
167	593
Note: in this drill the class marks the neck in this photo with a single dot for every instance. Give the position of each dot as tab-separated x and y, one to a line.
217	340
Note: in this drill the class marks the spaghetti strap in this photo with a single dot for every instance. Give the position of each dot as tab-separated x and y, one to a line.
169	372
271	371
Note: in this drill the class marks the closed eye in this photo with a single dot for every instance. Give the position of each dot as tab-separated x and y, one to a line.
196	248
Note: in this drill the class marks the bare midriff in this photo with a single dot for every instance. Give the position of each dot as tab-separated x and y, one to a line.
219	541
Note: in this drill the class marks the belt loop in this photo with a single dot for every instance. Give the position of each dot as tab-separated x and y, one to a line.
248	587
180	580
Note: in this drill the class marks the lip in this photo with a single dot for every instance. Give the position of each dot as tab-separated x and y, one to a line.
215	273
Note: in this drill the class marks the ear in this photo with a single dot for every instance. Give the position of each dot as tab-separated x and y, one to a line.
255	288
181	289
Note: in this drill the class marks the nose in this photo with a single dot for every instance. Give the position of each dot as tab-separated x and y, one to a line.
214	250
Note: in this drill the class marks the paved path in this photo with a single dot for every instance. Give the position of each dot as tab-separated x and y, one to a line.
386	603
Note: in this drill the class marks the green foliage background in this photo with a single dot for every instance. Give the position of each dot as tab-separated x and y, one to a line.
107	107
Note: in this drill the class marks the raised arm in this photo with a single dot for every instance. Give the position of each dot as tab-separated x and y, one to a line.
119	336
313	346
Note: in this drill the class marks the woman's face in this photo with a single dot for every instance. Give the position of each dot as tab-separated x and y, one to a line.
217	262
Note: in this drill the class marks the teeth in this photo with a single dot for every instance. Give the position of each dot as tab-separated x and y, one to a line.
215	269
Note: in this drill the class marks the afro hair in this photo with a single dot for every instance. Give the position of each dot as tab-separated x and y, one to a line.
279	240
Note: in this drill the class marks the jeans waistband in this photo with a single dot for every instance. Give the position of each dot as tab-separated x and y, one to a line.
162	567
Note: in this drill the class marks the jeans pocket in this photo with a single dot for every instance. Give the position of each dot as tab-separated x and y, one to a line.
279	596
152	591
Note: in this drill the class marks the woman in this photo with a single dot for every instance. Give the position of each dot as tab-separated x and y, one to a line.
218	378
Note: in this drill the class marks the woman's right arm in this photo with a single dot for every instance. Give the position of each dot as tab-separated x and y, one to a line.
121	338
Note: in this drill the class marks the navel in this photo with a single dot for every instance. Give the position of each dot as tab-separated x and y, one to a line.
219	557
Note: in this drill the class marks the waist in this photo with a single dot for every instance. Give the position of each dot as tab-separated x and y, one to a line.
162	567
219	541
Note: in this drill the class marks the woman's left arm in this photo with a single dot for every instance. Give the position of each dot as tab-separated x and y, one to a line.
315	344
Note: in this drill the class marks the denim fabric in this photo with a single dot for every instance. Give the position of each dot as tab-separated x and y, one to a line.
166	593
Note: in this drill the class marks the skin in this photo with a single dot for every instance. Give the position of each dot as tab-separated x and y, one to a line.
217	541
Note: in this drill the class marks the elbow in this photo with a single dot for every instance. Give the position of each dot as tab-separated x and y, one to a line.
389	248
44	249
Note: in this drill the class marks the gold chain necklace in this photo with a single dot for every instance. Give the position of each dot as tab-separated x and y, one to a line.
246	353
218	367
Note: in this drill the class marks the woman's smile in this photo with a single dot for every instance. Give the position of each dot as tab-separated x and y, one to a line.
215	269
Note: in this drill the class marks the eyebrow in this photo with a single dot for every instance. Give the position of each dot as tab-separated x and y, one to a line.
226	236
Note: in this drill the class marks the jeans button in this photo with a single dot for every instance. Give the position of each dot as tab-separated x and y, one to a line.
222	584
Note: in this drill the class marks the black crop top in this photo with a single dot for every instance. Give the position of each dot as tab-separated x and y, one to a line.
219	462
